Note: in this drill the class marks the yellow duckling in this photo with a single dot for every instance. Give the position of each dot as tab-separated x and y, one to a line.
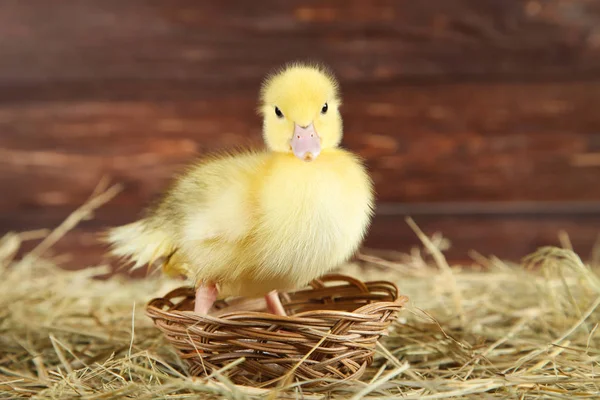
252	223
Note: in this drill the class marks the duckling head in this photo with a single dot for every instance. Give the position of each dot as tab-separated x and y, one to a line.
300	108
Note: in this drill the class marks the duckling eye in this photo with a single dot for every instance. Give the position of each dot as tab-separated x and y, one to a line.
278	112
324	109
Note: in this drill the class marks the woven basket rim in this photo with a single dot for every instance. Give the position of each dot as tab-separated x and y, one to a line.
155	307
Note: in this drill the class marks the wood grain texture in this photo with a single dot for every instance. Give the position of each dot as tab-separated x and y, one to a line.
508	237
448	101
434	143
232	42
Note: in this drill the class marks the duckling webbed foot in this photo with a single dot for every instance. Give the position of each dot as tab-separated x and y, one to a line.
206	295
274	303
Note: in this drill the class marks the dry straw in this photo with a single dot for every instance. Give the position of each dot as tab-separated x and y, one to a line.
493	330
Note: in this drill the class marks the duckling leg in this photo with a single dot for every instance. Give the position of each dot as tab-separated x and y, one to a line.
206	295
274	303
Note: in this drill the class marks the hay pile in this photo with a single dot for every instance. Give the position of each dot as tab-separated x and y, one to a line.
507	331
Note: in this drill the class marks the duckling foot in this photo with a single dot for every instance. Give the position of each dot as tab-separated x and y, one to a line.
274	303
206	295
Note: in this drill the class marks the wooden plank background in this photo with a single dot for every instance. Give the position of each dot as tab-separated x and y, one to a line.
480	118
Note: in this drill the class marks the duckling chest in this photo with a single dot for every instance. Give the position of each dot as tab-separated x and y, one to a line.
313	216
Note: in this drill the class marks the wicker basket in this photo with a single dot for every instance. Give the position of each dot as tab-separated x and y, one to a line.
327	338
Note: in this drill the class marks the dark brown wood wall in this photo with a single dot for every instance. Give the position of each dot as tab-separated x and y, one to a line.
480	118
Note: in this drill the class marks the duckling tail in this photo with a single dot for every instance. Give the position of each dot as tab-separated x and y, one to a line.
139	243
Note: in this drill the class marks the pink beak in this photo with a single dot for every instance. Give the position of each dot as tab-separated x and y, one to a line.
306	144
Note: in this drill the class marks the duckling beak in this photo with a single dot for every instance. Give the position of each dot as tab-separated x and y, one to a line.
306	143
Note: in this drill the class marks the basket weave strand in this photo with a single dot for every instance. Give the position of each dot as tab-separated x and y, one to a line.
337	322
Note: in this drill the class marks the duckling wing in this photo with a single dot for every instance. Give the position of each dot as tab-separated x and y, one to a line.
209	209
